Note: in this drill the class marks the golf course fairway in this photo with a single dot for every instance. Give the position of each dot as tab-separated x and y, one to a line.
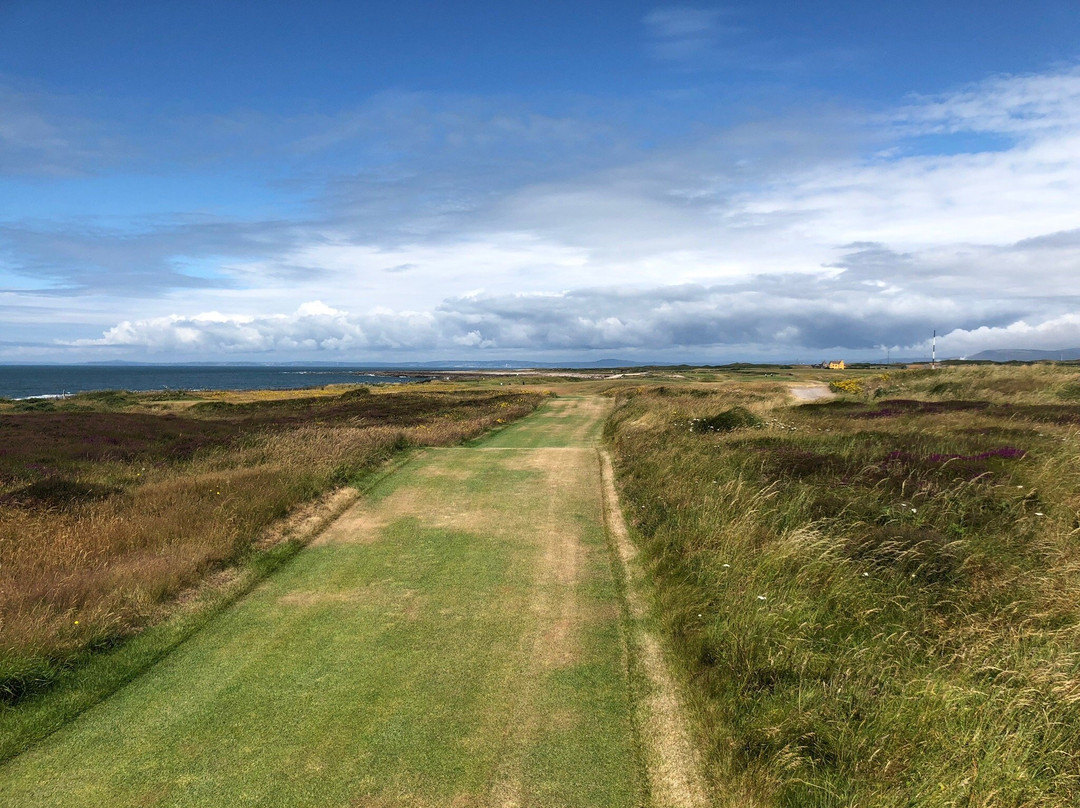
457	638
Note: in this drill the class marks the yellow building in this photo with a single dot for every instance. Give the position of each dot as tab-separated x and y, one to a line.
839	365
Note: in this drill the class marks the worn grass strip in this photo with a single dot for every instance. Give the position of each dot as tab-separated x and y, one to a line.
673	765
567	422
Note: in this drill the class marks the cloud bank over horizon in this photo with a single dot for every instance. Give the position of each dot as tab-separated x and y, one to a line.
430	225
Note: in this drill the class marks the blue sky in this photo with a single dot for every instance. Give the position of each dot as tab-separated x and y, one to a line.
376	181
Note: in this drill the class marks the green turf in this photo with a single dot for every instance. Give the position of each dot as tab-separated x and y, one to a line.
560	423
403	670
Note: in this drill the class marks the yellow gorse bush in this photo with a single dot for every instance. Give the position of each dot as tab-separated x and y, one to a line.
851	387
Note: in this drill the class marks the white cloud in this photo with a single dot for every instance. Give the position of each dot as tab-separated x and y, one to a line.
1003	105
1053	334
786	315
682	34
770	238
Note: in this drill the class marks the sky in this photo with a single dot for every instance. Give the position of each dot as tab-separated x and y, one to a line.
407	181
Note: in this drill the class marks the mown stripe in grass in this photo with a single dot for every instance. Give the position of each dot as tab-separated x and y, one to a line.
100	673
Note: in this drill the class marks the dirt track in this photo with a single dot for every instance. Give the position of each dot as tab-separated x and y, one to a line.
814	392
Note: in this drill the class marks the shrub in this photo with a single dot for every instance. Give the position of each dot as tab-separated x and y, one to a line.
727	421
851	387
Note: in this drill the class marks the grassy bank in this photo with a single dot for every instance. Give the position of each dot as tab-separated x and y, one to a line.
113	503
873	598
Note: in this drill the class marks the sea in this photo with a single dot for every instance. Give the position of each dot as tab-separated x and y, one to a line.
31	381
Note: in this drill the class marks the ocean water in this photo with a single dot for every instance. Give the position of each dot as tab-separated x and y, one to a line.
25	381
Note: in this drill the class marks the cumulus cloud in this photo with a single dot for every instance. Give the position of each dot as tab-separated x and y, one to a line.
313	327
787	315
1053	334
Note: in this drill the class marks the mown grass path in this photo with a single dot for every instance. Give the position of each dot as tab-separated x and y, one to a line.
456	639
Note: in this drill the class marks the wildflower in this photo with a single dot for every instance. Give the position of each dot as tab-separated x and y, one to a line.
761	597
866	575
76	622
727	566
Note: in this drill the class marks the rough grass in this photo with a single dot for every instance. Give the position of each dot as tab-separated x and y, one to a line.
108	509
874	599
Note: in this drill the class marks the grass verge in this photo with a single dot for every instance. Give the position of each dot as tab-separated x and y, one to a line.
874	598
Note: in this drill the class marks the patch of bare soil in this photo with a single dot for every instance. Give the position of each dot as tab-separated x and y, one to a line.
812	392
357	525
222	579
308	521
587	412
674	769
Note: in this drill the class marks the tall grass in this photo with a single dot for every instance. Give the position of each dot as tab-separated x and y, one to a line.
105	517
874	599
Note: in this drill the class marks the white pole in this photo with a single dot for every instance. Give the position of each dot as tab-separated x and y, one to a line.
933	356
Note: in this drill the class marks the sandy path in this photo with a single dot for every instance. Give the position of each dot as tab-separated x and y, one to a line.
673	764
813	392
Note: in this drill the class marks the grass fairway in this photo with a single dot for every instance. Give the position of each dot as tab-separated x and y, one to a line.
453	640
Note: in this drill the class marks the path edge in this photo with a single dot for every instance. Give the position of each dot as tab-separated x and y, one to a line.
673	767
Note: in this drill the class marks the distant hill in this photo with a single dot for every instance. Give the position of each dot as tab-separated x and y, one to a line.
1023	355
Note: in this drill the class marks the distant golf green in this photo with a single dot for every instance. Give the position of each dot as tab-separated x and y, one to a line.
453	640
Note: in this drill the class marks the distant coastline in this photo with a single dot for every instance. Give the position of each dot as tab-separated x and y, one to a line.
54	381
